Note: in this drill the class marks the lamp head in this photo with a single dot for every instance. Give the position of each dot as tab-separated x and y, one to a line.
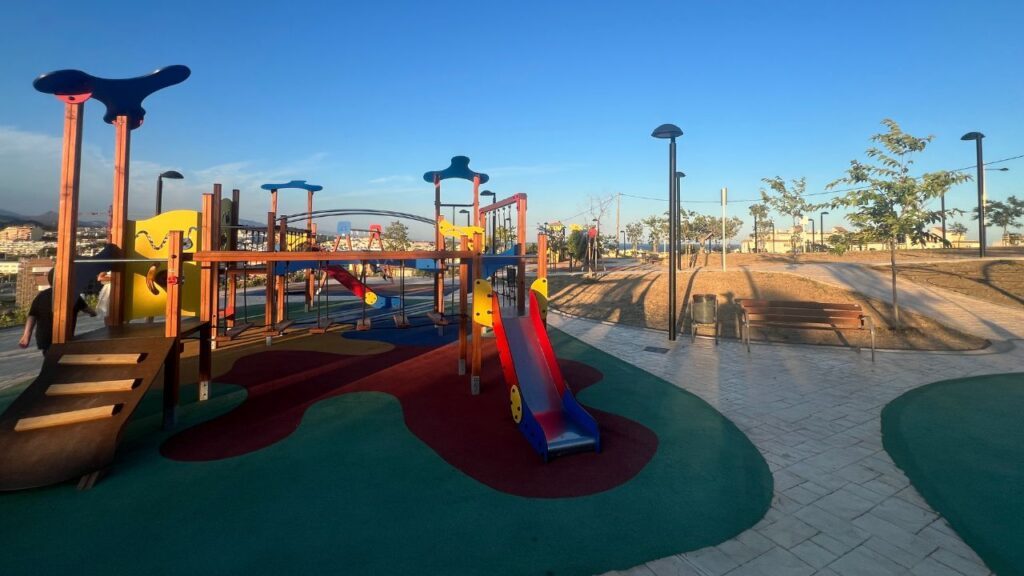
680	174
463	211
1003	169
972	136
487	193
172	174
667	131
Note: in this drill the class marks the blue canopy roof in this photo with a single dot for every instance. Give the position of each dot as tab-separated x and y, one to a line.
300	184
458	169
122	96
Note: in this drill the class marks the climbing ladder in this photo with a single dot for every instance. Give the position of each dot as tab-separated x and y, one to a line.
68	422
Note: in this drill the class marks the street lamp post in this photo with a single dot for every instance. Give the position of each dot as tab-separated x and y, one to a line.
977	137
466	212
173	175
671	132
821	227
597	243
679	193
623	234
811	222
494	218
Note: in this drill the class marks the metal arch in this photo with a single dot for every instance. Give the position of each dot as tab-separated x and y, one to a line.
356	212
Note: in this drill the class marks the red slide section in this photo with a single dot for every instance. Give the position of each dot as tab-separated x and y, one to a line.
352	283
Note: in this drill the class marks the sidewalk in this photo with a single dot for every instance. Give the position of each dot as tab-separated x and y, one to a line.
977	317
21	364
840	506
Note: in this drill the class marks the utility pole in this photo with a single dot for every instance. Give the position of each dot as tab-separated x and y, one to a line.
618	205
725	193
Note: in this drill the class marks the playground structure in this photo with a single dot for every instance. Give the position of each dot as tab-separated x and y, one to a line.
174	265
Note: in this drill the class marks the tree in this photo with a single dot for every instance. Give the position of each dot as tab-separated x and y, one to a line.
1002	214
396	236
760	213
788	200
635	234
887	203
656	227
577	244
958	229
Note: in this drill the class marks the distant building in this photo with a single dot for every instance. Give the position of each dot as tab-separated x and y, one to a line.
781	242
31	280
22	233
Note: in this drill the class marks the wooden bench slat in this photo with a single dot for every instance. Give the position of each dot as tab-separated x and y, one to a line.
65	418
801	325
98	387
283	325
99	359
805	312
748	303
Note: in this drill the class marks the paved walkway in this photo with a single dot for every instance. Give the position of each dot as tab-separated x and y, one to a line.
840	506
977	317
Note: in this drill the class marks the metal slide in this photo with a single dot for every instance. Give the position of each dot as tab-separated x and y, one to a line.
543	407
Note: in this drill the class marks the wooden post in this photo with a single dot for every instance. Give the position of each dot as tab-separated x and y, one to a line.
439	246
463	307
542	255
119	218
282	281
172	328
268	290
64	296
521	272
215	266
207	296
477	330
311	278
311	232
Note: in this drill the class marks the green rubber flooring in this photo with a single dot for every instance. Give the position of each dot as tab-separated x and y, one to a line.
353	491
961	443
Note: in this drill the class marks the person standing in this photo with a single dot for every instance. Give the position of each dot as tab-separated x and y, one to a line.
40	317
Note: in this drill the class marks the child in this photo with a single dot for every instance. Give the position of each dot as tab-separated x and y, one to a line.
40	317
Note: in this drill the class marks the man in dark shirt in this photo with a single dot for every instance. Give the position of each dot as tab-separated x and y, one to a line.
40	317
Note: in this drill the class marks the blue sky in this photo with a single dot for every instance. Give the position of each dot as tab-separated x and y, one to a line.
554	99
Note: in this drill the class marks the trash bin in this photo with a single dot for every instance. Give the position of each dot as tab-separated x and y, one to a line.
704	310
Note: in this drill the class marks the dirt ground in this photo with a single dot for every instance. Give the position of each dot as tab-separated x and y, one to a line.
638	296
996	281
868	257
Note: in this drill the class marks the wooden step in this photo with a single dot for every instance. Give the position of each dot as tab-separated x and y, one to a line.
98	387
283	325
234	331
65	418
437	319
321	326
99	359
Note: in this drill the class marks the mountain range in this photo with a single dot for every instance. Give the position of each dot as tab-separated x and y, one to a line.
46	220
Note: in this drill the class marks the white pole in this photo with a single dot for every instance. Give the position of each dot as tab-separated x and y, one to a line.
725	192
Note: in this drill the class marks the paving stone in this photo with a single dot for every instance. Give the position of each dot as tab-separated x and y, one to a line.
932	567
832	525
673	566
845	504
863	561
895	535
968	567
902	513
801	495
711	561
788	532
813	554
775	562
831	544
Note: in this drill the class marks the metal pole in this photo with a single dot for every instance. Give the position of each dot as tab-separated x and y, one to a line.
981	201
618	206
821	226
813	227
159	193
942	207
673	223
725	193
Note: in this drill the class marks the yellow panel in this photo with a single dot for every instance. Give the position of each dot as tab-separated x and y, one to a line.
150	241
540	290
483	313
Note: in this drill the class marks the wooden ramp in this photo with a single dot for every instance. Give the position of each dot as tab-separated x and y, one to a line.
68	422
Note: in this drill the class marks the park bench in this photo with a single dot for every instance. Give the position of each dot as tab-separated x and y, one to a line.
803	315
